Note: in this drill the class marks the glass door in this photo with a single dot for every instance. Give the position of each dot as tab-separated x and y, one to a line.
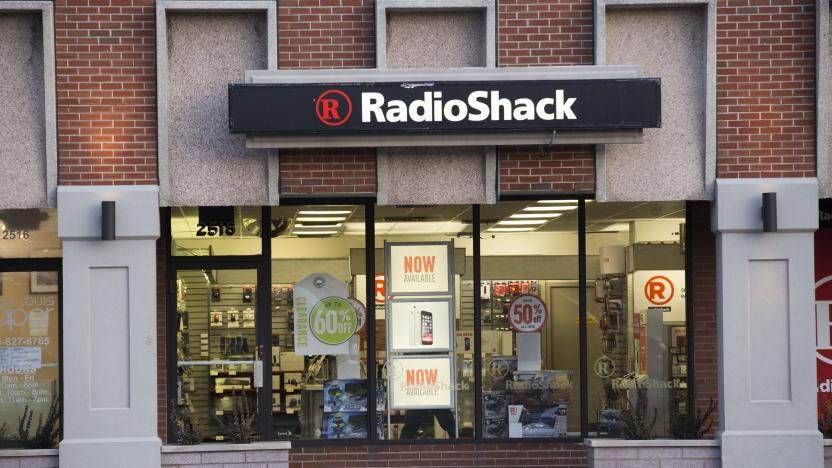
219	368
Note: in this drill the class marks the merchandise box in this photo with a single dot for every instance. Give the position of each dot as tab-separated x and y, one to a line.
495	404
494	428
291	362
344	425
540	388
536	421
498	370
610	422
345	395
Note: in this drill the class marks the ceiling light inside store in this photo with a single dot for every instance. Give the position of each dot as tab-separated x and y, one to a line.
523	222
314	233
536	215
318	225
559	202
324	212
320	219
551	208
514	229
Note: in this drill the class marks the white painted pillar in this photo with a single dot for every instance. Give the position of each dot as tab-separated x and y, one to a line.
109	329
766	333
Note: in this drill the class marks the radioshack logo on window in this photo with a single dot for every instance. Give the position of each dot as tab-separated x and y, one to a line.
333	107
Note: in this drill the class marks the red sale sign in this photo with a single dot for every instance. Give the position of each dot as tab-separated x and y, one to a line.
527	313
823	313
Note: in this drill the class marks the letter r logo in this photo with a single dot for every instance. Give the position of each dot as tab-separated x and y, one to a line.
333	107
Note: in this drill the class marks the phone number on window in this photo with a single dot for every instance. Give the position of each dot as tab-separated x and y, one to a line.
29	341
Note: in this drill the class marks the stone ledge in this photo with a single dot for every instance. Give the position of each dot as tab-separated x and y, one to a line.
277	445
621	443
28	453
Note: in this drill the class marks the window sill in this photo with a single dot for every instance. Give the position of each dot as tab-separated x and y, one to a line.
11	453
225	447
622	443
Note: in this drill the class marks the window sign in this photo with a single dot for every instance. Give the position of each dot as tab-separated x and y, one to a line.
422	325
422	382
324	318
418	269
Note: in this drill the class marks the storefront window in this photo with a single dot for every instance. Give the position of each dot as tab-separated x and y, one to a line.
318	345
216	231
637	338
425	321
29	234
529	293
29	330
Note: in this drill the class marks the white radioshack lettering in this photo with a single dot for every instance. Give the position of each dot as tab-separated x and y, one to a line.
477	107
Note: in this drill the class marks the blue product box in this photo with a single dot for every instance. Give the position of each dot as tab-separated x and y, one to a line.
345	395
344	425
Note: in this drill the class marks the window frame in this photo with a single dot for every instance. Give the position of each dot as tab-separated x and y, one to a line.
262	263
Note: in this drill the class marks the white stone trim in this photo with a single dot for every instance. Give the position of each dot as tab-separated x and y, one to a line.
599	30
278	445
824	173
162	75
621	443
14	453
50	126
382	6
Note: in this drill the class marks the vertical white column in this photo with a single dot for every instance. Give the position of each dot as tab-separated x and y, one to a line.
765	291
109	329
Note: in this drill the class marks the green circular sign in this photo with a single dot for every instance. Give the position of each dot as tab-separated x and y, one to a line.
333	320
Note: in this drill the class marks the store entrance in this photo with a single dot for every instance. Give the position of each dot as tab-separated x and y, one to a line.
218	353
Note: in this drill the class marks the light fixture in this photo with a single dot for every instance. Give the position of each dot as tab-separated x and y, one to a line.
316	219
560	202
536	215
324	212
318	225
550	208
523	222
314	233
514	229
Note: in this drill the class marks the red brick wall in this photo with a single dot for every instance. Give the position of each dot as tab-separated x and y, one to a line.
437	456
327	171
765	88
544	32
106	91
327	34
703	247
547	169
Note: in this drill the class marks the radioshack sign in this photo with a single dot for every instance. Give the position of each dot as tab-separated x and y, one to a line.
449	106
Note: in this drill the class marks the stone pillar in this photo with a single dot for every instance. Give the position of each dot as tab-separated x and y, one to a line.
765	321
109	329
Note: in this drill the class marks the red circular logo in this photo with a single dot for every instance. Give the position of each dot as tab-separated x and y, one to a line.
659	290
333	107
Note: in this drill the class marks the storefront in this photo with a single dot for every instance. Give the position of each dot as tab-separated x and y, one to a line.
417	233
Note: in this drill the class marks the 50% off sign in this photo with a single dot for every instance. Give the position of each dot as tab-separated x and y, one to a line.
333	320
527	313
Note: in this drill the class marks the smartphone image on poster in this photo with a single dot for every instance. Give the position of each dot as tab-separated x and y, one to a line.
427	327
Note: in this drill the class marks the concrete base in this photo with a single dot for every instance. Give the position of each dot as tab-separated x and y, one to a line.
757	449
109	453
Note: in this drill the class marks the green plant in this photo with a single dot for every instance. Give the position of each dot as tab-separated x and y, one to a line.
187	430
696	428
636	424
47	432
240	422
825	418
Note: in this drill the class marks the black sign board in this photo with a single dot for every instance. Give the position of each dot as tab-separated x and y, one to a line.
449	106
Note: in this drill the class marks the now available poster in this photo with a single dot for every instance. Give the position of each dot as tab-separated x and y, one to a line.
823	309
419	269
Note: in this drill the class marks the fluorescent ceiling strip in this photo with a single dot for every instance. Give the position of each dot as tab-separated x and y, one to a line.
515	229
317	226
523	222
316	219
536	215
324	212
559	202
550	208
314	233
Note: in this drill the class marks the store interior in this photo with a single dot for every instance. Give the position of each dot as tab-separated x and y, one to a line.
636	348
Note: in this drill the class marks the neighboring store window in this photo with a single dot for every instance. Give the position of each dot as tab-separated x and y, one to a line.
636	322
29	234
318	371
29	329
529	292
215	231
424	343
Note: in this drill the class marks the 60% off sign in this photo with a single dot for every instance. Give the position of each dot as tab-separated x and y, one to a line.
333	320
527	313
